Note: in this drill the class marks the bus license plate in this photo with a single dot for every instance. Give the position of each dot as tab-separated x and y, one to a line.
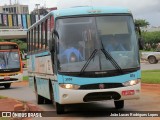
6	78
128	92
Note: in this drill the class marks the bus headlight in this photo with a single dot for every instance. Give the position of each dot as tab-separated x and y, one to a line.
69	86
131	82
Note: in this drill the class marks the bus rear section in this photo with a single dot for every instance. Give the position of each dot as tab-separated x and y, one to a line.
10	64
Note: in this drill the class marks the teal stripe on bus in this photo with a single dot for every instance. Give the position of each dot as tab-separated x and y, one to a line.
47	53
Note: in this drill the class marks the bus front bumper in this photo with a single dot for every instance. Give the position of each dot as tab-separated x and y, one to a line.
11	79
70	96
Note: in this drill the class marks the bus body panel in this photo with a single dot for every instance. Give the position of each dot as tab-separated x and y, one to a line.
41	74
43	87
31	83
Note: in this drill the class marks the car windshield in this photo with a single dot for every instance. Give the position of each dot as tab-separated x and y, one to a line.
9	60
79	37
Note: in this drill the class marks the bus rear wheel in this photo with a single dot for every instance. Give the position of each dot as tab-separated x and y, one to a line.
119	104
59	108
7	85
40	99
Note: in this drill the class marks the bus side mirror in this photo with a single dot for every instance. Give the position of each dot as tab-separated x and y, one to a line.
141	43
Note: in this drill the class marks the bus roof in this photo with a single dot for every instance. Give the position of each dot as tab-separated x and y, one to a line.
84	10
90	10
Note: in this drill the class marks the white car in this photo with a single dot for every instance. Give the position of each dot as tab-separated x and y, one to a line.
151	57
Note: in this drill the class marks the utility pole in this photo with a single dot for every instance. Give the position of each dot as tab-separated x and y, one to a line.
37	10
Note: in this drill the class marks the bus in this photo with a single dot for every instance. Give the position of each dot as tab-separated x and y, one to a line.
69	63
10	64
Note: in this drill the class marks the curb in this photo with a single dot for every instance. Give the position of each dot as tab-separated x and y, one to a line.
21	107
26	107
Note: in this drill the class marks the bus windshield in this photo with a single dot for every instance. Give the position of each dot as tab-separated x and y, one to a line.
80	37
9	60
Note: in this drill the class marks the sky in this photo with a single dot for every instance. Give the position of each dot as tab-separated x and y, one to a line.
141	9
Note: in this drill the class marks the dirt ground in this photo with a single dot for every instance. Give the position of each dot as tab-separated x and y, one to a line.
152	88
23	83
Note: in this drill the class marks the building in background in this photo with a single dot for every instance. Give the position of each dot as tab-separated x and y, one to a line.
14	9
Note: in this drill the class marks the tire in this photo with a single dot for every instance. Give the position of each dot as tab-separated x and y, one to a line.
47	101
119	104
7	85
152	60
59	108
156	61
40	99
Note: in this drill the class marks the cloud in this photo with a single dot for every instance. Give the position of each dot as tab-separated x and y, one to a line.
143	9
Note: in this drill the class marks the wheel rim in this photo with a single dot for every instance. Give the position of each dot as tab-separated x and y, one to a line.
152	60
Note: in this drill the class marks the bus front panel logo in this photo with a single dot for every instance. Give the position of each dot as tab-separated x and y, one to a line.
101	86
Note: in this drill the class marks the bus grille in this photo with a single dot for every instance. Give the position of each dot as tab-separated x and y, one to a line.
98	96
96	86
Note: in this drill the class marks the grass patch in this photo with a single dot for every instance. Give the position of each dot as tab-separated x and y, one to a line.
25	78
151	76
4	118
1	97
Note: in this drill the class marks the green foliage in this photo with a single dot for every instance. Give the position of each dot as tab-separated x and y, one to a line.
151	76
25	78
1	40
151	39
2	97
141	22
22	45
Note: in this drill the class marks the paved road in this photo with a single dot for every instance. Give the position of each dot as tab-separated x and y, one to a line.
147	66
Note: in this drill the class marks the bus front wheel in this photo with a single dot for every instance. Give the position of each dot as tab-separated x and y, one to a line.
119	104
59	108
7	85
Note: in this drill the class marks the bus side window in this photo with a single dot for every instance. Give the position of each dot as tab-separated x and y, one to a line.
38	38
34	40
46	34
42	35
31	43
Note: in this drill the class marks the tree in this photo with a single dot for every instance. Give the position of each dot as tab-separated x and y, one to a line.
142	23
22	45
151	39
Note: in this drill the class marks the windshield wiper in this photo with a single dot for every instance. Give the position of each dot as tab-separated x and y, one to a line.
9	55
88	61
110	58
